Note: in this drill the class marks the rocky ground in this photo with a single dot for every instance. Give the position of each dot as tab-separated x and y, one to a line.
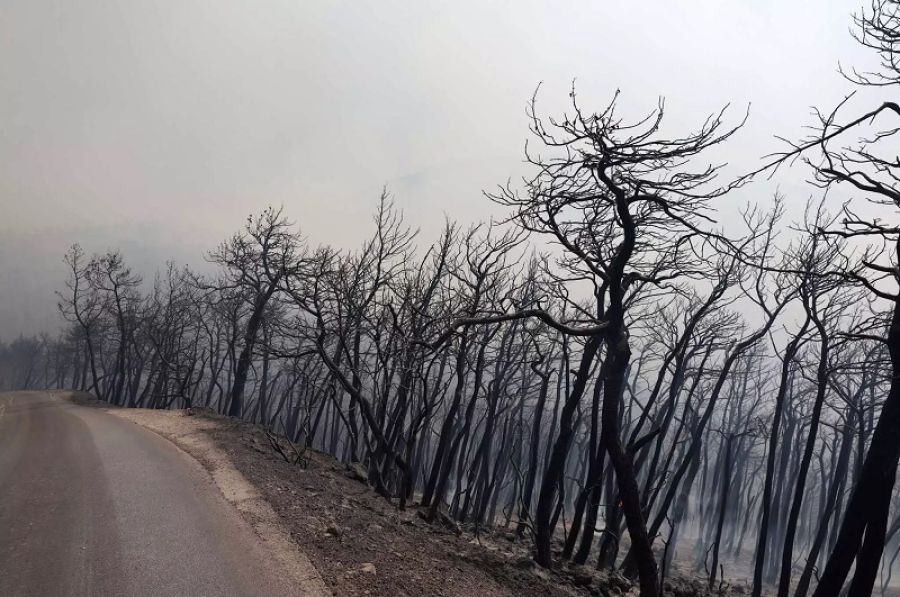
361	544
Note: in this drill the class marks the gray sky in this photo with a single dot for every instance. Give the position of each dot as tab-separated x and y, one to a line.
157	127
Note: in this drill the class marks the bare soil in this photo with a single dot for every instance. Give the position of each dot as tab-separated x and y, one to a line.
363	545
357	542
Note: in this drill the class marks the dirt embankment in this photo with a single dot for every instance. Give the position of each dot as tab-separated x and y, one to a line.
333	531
338	536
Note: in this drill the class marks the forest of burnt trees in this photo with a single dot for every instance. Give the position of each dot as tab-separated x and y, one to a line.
607	373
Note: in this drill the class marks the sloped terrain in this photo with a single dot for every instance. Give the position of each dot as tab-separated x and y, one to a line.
358	542
363	545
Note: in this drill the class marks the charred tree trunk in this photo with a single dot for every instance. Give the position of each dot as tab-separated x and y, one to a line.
862	532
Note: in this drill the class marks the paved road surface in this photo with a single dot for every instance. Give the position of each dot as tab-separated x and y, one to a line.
93	505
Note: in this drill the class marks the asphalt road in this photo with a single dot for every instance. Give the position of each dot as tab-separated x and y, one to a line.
93	505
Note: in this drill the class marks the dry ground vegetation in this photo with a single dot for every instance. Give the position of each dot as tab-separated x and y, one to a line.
359	542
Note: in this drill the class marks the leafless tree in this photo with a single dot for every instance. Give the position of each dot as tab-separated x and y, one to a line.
255	263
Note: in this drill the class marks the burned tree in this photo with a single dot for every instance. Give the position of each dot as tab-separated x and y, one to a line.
254	263
867	165
629	216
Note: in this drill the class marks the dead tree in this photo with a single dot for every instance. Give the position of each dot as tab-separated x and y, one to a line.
823	303
624	206
255	263
867	165
83	306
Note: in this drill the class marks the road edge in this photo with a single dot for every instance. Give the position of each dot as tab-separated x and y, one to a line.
188	434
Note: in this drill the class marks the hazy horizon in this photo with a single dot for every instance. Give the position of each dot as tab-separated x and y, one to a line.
158	129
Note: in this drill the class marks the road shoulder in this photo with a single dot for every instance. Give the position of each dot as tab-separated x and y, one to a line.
359	543
192	434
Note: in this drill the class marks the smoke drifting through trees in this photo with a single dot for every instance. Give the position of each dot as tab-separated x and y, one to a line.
649	389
